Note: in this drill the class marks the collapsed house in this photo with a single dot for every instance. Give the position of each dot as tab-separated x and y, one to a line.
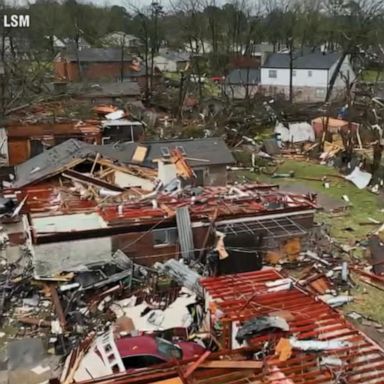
207	158
241	220
22	140
268	330
95	202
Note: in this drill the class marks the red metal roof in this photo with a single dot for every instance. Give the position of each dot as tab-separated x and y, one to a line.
214	202
246	295
257	200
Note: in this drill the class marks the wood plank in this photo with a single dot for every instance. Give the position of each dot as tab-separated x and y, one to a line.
235	364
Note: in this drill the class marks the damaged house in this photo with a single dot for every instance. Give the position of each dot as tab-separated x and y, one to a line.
111	93
96	202
93	64
208	158
23	139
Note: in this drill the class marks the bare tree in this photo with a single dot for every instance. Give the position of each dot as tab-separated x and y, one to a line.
150	37
355	20
193	27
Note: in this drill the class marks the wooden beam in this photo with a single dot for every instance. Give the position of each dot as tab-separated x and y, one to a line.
235	364
196	364
57	304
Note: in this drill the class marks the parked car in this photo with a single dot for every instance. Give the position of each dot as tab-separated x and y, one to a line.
144	351
218	79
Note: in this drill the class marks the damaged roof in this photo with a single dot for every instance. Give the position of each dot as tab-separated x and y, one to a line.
95	55
199	152
313	60
51	161
256	294
115	89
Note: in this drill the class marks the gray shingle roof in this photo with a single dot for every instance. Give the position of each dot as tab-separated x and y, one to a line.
244	76
50	161
207	151
97	55
315	60
115	89
176	56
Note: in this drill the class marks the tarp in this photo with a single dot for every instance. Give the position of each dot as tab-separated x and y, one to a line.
297	132
360	178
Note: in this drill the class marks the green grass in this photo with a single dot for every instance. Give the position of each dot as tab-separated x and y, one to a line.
172	75
370	75
368	301
364	203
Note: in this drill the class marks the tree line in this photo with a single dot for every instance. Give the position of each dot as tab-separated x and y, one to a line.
353	27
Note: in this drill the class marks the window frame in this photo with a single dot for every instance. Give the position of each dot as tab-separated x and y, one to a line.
169	241
319	90
270	71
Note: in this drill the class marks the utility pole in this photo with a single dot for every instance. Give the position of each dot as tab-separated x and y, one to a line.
122	58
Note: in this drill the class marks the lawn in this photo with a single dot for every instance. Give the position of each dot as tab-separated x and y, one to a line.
363	203
370	75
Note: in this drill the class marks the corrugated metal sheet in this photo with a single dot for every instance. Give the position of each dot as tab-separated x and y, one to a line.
183	275
244	296
184	228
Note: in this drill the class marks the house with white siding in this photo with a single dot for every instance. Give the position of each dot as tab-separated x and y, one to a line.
172	61
311	75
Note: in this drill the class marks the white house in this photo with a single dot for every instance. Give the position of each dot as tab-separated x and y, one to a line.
311	75
121	39
200	47
172	61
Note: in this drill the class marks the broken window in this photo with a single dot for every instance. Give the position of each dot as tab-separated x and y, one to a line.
272	74
164	237
168	349
143	361
201	175
37	147
164	151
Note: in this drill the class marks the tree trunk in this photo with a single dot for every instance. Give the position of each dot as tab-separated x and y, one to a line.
122	62
3	103
291	71
181	97
146	54
334	75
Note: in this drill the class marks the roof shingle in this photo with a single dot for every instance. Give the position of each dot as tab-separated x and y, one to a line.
315	60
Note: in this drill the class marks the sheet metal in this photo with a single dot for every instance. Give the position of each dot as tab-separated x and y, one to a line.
184	229
244	296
